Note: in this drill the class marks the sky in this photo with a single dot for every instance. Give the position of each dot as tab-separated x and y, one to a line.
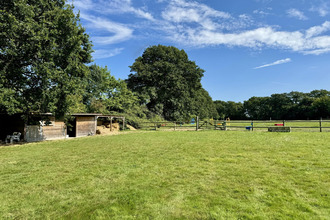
246	47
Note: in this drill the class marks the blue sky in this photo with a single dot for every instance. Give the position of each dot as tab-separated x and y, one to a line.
246	47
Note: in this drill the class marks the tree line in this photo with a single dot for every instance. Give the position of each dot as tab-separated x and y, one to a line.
289	106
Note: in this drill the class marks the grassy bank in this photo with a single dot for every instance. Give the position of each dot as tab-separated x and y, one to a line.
167	175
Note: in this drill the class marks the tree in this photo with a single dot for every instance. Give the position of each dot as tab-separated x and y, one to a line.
230	109
105	94
258	108
43	52
221	108
167	82
321	107
204	106
99	86
319	93
280	105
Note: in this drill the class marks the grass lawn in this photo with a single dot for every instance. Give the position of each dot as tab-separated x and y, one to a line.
169	175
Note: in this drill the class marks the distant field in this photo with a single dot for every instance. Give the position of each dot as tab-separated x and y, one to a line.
169	175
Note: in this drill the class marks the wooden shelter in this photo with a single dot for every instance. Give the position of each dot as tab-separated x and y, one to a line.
85	124
38	127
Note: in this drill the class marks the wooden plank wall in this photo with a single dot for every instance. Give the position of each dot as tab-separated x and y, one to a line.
86	125
41	133
57	131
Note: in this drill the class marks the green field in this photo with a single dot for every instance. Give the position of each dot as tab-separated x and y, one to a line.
169	175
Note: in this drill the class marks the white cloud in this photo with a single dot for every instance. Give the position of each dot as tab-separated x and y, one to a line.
278	62
251	38
180	11
317	30
112	7
101	54
119	32
322	10
262	12
295	13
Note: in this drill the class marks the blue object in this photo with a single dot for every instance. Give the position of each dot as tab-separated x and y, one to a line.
192	121
248	128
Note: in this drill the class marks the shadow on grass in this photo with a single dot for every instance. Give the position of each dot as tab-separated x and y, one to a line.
4	144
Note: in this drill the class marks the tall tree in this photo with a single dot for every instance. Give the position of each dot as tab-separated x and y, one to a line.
43	52
204	106
166	82
105	94
258	108
280	105
321	107
230	109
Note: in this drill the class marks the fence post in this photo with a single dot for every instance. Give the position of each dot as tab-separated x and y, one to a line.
252	124
283	123
155	127
215	124
197	123
321	124
111	124
174	125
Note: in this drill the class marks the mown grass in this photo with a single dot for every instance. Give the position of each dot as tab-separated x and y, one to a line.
169	175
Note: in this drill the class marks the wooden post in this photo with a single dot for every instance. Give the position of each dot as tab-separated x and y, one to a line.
252	124
225	125
96	117
174	125
25	131
111	124
215	124
197	123
320	124
283	123
123	123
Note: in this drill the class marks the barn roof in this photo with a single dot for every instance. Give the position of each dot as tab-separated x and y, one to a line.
97	114
87	114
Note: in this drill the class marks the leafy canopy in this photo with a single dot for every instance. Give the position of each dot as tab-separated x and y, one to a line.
43	52
168	83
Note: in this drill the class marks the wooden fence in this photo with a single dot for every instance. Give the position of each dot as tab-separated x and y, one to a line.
246	125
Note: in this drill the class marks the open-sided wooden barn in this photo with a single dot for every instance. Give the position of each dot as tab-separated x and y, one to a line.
85	124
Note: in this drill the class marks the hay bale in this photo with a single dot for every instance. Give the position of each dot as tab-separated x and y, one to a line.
131	127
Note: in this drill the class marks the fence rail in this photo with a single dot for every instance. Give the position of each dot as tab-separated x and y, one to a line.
249	125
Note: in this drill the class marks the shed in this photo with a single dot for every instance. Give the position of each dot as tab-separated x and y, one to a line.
83	124
39	127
